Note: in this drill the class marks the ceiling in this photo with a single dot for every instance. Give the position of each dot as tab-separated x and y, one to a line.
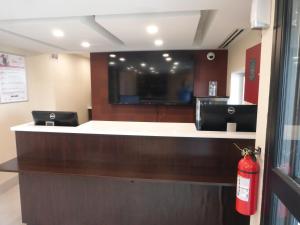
120	25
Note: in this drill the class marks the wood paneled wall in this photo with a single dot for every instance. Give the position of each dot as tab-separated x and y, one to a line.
215	70
205	70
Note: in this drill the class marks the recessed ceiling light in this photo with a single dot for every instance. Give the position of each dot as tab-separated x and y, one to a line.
158	42
85	44
112	63
152	68
143	64
112	55
166	55
122	59
169	59
152	29
176	63
58	33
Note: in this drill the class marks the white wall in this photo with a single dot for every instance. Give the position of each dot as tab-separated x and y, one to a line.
11	114
62	84
237	53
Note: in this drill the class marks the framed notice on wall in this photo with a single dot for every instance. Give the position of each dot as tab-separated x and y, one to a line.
13	85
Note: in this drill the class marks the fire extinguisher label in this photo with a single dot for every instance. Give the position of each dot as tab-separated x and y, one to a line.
243	187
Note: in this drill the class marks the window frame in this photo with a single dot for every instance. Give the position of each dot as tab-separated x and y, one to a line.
275	182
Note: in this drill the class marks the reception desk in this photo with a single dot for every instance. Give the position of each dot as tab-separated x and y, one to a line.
127	173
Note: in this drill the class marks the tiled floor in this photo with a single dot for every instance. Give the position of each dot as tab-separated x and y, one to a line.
10	208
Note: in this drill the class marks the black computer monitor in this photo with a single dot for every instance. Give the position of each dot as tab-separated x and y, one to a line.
55	118
216	117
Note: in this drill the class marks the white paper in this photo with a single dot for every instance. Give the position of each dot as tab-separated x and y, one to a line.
243	188
13	86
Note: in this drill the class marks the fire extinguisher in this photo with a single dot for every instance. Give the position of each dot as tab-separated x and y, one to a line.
247	182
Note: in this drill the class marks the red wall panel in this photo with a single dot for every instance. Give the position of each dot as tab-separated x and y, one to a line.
252	74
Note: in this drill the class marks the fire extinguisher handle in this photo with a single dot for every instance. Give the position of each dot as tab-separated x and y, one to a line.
249	151
257	151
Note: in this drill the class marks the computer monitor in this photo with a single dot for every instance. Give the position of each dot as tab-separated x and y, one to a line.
55	118
216	117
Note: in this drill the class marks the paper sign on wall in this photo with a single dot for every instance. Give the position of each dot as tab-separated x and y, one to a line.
13	86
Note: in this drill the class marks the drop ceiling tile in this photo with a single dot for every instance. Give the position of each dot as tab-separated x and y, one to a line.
177	30
75	31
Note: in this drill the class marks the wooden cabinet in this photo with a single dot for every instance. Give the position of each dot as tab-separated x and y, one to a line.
210	70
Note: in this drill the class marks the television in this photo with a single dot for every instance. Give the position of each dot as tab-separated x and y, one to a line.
55	118
153	77
216	117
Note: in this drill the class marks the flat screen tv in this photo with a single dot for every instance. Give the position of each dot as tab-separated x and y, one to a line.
156	77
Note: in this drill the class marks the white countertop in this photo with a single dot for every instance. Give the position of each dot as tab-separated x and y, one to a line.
157	129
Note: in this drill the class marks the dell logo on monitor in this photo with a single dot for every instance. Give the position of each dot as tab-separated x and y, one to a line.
231	110
52	116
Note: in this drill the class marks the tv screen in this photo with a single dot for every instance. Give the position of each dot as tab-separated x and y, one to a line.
151	77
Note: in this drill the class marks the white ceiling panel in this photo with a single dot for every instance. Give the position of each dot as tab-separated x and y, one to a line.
120	25
177	30
76	30
16	9
10	40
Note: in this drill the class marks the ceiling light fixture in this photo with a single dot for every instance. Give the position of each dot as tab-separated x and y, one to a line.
85	44
152	29
112	63
158	42
166	55
169	59
122	59
58	33
143	64
112	55
176	63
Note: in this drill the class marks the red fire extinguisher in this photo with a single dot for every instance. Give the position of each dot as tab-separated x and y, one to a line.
247	182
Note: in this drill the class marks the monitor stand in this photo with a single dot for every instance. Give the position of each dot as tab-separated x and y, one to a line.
49	123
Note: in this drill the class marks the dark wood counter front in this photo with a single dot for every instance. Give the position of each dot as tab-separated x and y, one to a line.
126	171
94	179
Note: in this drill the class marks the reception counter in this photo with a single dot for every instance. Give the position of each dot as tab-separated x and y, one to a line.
153	129
127	173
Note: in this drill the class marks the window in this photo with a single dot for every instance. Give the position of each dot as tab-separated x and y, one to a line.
281	202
